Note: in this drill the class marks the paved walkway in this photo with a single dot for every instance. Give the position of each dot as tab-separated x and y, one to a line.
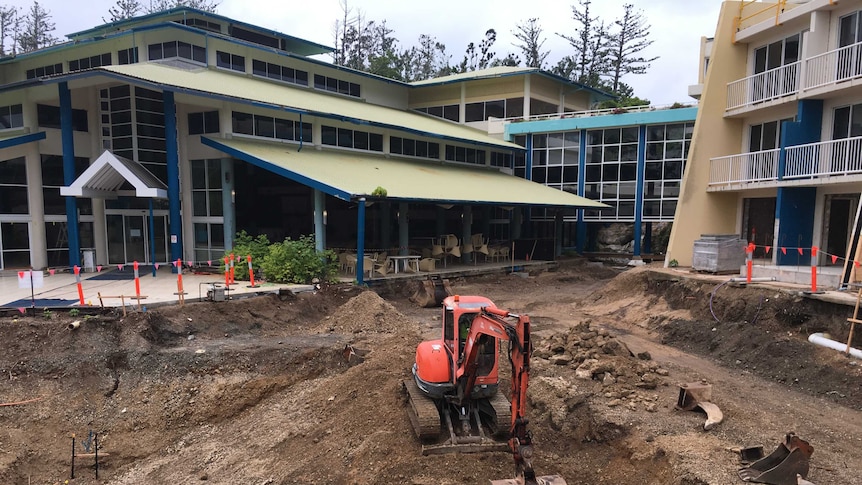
160	289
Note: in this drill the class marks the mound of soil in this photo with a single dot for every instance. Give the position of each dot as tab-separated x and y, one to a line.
307	388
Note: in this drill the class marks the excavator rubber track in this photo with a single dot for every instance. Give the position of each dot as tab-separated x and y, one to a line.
503	410
423	413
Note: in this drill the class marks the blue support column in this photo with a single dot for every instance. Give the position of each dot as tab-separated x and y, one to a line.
360	242
152	239
528	170
319	220
173	169
227	202
581	228
639	187
68	141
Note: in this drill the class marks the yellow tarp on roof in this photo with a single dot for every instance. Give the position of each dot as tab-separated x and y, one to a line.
349	175
308	100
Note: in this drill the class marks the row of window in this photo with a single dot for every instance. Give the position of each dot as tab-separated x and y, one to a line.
11	116
347	138
124	56
89	62
413	148
270	127
334	85
184	50
465	154
279	73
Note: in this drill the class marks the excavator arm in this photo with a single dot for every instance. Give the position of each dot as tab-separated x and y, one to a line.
493	323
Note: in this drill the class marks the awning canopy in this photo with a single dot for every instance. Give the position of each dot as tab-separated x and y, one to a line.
349	176
9	141
106	176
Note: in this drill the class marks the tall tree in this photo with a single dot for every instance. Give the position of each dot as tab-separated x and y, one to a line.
123	9
626	43
529	34
588	63
427	60
8	29
36	28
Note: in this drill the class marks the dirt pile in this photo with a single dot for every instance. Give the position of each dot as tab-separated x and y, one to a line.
259	390
595	355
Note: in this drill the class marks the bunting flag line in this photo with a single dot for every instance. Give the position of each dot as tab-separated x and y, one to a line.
834	258
120	266
800	251
99	268
209	262
21	275
175	264
768	248
783	250
157	265
856	263
51	272
22	310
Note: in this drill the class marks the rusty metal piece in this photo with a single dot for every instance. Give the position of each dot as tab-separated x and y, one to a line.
750	454
783	466
698	395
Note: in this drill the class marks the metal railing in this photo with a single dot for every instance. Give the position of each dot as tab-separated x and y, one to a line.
764	86
824	159
750	167
834	66
598	112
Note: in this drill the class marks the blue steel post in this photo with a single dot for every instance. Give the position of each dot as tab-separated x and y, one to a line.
639	187
68	141
173	176
319	220
360	242
581	241
152	239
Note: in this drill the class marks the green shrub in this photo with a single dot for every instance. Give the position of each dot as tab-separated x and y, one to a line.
243	245
297	261
379	192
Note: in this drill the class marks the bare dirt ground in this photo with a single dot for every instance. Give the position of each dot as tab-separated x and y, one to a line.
259	391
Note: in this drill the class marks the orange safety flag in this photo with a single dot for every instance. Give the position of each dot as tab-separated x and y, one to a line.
834	258
750	248
856	263
768	248
800	251
783	250
814	250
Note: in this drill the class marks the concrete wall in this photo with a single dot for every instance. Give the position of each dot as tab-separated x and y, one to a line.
699	212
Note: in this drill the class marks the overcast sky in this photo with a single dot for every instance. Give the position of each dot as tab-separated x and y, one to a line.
677	26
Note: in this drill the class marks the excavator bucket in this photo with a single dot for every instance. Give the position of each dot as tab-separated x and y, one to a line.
431	292
782	466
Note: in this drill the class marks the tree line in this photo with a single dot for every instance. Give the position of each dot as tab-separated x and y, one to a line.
26	30
602	51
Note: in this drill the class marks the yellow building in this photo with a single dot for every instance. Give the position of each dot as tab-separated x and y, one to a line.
776	155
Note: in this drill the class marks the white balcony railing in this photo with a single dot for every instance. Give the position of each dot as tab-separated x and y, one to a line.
764	86
744	168
824	159
834	66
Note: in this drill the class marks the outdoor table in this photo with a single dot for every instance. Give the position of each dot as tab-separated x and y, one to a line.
412	260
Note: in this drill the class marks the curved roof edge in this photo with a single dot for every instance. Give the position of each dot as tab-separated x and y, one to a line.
312	48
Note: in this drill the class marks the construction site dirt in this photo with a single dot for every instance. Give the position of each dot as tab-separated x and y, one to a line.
306	388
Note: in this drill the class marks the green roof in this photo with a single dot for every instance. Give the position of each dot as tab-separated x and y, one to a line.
349	175
209	82
505	71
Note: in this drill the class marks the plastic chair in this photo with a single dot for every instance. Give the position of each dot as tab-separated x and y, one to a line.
383	267
427	264
349	262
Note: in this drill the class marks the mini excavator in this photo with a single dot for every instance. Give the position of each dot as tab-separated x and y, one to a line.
456	380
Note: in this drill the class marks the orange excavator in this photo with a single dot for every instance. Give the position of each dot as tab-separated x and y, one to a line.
456	384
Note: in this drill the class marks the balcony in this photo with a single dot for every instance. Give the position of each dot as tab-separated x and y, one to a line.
765	86
833	67
818	163
826	70
734	171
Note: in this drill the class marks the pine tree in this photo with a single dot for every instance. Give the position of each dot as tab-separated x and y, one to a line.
590	44
8	23
625	45
36	28
123	9
478	59
530	35
162	5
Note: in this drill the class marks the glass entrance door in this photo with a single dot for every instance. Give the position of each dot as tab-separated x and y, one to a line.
129	238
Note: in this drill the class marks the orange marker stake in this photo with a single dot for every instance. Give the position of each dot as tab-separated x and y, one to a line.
226	272
232	272
250	272
80	288
180	292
